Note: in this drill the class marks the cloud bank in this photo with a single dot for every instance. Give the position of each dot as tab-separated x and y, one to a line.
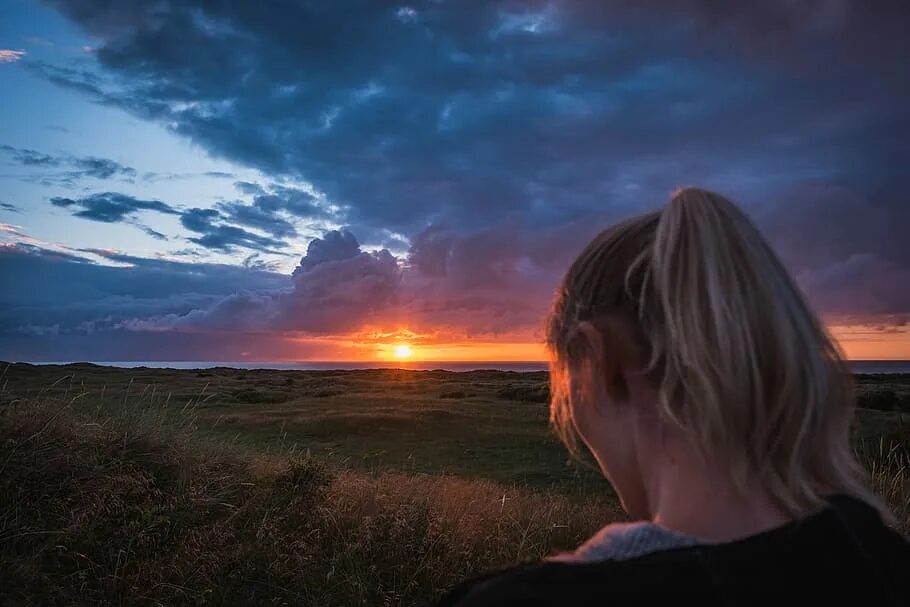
483	143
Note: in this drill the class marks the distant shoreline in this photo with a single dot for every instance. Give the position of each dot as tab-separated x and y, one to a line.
860	367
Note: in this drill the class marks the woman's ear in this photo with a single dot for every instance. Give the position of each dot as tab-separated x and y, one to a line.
606	347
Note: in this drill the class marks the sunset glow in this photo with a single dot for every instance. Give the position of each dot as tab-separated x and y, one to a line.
856	341
861	342
342	206
403	352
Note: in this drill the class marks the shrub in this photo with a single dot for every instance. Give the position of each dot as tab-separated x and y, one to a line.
326	393
882	400
453	395
257	397
539	393
903	402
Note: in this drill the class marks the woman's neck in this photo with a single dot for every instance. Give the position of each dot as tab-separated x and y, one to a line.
699	499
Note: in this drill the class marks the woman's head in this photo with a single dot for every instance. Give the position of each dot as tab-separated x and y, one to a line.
685	320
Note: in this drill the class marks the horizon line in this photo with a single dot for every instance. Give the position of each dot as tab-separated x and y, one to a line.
330	361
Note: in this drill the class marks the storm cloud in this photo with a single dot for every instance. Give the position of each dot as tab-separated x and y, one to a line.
454	156
473	112
55	300
488	283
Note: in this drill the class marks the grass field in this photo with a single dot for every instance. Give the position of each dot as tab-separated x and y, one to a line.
482	424
225	486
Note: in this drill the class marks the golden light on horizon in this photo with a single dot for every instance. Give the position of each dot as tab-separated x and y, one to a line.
861	342
858	342
403	352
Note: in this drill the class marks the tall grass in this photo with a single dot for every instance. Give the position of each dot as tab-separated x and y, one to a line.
132	510
136	508
888	466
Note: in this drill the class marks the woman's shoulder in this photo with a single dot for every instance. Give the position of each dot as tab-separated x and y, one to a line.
561	578
844	553
621	541
559	582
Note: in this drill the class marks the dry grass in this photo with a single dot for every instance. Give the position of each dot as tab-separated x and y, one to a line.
132	511
888	464
139	508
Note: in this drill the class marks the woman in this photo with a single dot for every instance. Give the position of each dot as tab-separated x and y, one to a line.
714	401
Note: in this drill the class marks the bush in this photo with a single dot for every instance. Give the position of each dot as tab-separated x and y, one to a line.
453	395
532	394
257	397
326	393
882	400
903	403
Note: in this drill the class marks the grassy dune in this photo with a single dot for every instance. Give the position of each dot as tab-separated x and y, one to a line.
321	488
488	425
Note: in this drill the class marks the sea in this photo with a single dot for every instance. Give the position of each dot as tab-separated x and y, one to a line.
857	366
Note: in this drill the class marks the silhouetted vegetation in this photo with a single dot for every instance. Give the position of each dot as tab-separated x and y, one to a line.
539	393
454	394
258	397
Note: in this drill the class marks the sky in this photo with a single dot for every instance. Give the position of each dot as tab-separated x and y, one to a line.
293	180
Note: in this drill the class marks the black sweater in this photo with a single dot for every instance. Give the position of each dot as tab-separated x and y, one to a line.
843	554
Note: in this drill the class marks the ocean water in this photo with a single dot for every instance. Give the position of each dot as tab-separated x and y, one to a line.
323	366
880	366
857	366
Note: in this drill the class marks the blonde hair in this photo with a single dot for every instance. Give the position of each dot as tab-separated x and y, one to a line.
739	361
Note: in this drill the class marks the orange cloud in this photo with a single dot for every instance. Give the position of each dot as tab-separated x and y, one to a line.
862	342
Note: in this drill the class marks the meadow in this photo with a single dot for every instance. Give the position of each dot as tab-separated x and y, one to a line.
373	487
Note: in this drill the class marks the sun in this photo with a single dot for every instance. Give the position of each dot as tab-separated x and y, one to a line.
403	351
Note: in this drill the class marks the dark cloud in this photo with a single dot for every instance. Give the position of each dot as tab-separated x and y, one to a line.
153	177
849	253
223	237
336	292
11	252
255	216
5	206
247	187
255	262
470	112
453	285
862	289
271	209
30	157
378	237
100	168
496	137
294	201
72	303
334	246
111	207
336	288
486	283
153	233
216	229
83	166
492	282
489	283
